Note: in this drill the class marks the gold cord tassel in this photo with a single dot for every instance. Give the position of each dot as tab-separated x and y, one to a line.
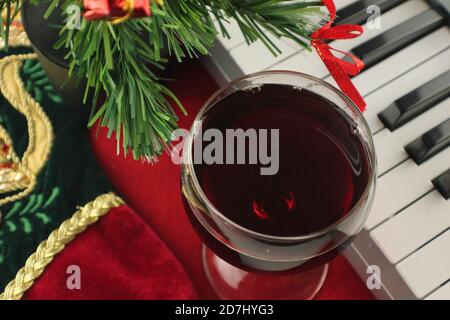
129	8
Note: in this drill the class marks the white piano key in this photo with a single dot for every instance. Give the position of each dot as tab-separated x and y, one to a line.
413	227
403	185
310	63
390	145
401	62
304	61
382	98
429	267
443	293
257	56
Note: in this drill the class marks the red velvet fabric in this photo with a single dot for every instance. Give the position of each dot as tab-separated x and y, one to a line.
153	191
119	257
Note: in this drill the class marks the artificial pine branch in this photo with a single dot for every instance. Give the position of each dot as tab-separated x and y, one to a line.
295	20
119	60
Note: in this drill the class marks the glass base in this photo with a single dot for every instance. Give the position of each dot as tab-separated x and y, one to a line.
231	283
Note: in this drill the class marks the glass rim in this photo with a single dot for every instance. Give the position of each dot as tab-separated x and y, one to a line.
199	190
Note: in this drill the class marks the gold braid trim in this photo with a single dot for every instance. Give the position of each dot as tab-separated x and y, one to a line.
56	242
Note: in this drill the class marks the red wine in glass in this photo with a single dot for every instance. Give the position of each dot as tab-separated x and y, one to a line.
287	222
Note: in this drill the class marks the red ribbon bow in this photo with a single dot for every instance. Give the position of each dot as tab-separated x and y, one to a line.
339	68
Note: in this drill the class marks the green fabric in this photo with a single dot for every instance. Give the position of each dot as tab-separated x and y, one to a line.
70	178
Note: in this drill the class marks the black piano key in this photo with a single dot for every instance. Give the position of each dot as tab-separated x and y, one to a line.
356	13
442	184
442	6
398	37
431	143
416	102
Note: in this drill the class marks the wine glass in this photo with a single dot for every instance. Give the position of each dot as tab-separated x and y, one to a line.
273	261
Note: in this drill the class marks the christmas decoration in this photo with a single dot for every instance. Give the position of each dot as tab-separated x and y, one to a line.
116	48
116	11
53	169
62	213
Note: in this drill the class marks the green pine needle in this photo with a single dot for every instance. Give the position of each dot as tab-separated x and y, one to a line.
120	61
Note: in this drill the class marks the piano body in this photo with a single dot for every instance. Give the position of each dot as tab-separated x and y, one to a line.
406	84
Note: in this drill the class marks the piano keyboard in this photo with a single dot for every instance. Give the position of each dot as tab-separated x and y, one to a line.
406	85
